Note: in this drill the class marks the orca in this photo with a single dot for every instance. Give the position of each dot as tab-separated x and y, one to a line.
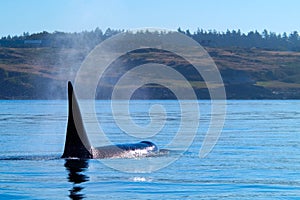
77	144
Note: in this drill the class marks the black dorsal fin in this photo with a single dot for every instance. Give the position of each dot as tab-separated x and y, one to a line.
77	144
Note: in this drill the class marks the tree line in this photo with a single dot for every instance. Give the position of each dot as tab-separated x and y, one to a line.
84	39
89	39
253	39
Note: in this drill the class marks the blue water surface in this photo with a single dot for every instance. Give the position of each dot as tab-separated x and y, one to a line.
256	157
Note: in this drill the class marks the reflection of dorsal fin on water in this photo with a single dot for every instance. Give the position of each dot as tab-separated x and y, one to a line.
76	136
77	144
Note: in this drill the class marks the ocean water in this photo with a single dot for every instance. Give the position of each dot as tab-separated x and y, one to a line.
256	157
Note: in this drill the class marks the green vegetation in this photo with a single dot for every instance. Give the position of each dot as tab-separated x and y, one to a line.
253	66
88	39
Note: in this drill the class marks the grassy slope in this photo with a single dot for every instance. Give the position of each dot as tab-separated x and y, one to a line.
247	73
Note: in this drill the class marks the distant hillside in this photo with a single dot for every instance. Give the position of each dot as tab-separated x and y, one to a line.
32	67
266	40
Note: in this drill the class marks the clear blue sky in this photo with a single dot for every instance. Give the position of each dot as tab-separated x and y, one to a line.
18	16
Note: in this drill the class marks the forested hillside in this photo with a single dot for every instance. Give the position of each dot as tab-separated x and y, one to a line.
253	66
